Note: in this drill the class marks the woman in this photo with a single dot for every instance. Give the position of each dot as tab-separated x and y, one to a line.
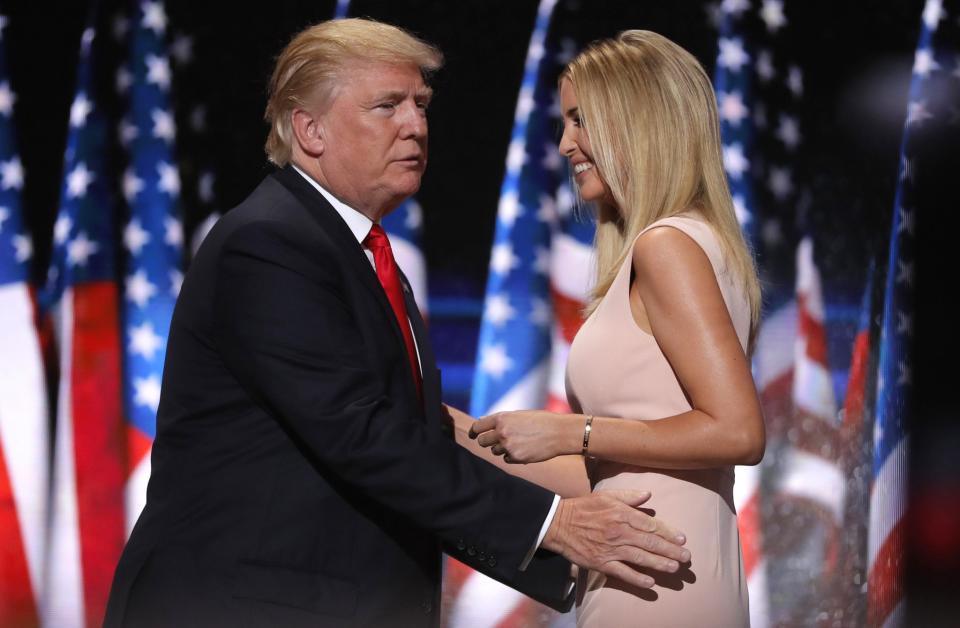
658	374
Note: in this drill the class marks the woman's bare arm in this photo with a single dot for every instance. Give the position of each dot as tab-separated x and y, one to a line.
564	475
676	297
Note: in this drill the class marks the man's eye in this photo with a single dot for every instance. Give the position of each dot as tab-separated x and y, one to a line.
386	105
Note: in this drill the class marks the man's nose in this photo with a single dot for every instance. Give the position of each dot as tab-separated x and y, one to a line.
413	121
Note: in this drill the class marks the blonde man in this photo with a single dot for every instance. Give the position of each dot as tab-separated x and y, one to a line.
301	475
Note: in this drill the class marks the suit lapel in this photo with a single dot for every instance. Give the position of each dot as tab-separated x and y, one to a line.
428	366
353	254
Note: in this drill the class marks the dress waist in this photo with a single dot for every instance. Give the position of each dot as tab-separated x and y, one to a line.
609	474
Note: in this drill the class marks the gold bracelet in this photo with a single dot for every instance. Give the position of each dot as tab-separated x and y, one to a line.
586	435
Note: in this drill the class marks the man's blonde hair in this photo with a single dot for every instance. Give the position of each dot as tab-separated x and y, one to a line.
651	114
310	68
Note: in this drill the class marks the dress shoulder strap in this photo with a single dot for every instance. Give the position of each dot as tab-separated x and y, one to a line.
699	231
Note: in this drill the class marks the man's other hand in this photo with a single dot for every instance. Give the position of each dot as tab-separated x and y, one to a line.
605	532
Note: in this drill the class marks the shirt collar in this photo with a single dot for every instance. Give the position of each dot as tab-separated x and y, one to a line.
359	224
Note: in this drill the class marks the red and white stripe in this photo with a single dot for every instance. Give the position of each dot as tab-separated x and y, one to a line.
572	267
886	540
746	498
139	446
802	418
812	470
87	511
23	458
854	404
773	368
480	601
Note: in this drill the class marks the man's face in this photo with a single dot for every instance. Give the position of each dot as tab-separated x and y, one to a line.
375	136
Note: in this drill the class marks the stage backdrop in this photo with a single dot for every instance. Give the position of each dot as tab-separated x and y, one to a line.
128	128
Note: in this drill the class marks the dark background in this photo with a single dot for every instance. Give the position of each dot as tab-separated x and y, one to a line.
857	68
856	57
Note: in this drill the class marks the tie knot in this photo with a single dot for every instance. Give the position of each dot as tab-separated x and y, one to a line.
377	238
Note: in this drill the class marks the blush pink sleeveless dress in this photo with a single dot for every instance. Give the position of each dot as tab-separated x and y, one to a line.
615	369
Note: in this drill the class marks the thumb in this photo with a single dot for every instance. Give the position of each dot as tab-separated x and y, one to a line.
630	498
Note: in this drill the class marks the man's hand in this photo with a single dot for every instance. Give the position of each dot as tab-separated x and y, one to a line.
605	532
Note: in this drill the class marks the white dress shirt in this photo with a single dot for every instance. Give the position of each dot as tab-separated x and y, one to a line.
360	226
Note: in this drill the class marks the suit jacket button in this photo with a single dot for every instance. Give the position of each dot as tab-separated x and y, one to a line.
492	562
471	551
427	608
461	545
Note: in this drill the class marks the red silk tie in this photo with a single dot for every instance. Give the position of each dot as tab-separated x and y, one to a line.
389	277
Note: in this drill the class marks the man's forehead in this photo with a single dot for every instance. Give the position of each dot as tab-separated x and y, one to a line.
382	75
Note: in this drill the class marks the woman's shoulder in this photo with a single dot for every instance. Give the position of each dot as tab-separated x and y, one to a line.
668	235
676	263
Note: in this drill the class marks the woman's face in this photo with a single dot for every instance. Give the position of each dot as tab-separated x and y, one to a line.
575	146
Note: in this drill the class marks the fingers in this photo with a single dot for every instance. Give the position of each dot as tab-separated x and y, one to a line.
482	425
640	557
623	572
649	546
500	450
642	521
487	439
628	497
645	538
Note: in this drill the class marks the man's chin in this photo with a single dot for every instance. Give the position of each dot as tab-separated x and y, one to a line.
409	185
400	197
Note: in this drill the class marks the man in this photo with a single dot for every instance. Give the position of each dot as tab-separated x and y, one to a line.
300	472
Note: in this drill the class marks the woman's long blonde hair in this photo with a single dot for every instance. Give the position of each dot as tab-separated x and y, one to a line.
651	115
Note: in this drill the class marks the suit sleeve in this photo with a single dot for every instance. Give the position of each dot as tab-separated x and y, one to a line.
284	329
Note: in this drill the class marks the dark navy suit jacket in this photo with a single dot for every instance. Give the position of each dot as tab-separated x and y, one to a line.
296	478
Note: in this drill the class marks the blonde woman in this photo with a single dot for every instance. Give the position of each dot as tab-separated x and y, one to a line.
659	374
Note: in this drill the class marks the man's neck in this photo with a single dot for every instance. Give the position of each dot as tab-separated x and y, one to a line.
311	169
358	223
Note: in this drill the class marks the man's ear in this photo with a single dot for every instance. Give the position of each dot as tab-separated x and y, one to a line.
308	132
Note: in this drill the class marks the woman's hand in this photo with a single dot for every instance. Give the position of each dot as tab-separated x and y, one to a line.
529	435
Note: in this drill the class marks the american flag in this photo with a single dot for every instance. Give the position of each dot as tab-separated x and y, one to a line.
733	80
23	399
857	458
195	146
934	107
798	492
153	238
572	265
810	485
513	362
540	272
856	404
89	471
